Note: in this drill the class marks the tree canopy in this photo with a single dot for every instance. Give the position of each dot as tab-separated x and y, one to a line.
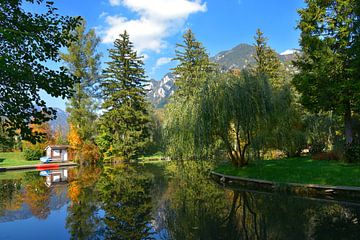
124	130
27	42
328	77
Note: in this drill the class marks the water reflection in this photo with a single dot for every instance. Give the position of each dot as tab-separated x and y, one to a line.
133	202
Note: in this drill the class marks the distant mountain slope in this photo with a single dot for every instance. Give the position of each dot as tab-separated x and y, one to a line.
60	121
238	57
160	91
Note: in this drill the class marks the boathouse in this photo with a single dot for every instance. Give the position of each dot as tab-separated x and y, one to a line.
57	153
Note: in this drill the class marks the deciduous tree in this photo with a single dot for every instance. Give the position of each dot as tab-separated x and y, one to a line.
27	41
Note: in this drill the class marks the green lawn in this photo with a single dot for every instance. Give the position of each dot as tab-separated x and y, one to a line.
298	170
8	159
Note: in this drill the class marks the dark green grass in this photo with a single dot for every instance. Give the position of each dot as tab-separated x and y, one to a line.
12	159
298	170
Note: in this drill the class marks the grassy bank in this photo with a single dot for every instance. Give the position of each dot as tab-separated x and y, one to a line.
298	170
12	159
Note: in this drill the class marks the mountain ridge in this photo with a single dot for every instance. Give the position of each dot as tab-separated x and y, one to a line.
241	56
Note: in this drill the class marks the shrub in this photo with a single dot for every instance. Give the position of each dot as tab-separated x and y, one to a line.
352	152
33	154
326	156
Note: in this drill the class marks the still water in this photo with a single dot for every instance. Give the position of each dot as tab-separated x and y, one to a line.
159	202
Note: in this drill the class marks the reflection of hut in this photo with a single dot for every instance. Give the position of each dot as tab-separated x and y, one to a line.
57	152
55	176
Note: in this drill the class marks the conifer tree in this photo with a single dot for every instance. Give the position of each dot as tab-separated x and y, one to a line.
83	62
124	124
267	61
328	77
193	67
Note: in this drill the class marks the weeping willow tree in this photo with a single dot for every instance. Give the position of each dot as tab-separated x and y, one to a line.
233	109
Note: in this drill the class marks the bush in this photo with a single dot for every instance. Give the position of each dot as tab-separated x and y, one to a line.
33	154
326	156
352	152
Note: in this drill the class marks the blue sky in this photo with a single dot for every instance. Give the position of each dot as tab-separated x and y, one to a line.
155	26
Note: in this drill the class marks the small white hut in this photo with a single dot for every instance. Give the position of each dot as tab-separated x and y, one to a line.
57	153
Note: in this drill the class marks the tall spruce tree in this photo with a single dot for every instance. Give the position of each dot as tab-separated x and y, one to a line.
191	73
124	124
83	62
193	67
267	61
328	77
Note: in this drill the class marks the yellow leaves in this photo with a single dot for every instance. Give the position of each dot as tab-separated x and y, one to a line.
74	138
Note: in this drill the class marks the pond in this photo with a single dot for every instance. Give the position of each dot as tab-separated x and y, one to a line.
141	202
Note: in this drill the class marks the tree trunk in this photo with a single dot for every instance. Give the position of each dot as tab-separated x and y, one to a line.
348	125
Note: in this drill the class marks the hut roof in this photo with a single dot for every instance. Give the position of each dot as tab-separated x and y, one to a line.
58	147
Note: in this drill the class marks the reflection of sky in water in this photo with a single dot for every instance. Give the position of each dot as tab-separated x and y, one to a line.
33	228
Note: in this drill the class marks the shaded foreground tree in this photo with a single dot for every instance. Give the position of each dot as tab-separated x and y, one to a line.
124	126
27	41
329	66
234	109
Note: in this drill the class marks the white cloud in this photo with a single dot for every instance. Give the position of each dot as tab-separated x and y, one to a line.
157	20
162	61
289	51
114	2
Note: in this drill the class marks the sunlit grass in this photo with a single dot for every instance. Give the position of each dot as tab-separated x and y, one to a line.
298	170
11	159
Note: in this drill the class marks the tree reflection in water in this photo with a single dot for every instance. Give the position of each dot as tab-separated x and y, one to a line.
113	204
196	208
126	202
132	202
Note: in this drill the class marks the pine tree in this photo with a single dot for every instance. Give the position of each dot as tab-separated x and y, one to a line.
329	72
124	124
83	62
267	61
193	67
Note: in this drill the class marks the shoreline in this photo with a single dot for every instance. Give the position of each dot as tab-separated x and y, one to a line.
327	191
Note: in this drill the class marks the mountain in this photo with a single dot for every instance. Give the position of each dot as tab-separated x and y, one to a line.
160	91
238	57
60	121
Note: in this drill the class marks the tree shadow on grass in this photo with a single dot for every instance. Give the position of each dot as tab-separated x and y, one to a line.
2	159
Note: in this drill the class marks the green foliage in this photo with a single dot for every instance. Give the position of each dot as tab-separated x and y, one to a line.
28	41
329	74
7	142
267	61
192	71
320	130
124	125
193	67
287	131
126	201
234	109
83	62
33	153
